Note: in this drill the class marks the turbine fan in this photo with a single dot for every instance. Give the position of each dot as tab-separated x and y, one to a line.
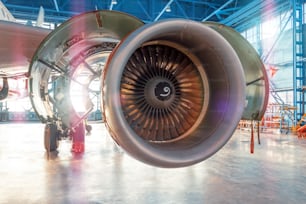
161	93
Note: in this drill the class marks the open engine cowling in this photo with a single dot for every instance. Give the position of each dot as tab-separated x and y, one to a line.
74	55
174	92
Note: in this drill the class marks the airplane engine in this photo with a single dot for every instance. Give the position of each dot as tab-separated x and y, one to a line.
174	91
70	59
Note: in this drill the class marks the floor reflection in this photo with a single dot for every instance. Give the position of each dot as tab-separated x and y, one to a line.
275	173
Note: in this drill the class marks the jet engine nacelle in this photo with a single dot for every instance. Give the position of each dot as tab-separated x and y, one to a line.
69	59
175	90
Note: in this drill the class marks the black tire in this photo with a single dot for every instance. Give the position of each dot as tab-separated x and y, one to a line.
88	128
51	137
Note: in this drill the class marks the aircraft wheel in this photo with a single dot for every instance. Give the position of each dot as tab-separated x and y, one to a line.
51	141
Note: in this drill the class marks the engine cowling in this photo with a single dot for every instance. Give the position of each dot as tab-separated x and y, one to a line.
73	55
257	84
174	92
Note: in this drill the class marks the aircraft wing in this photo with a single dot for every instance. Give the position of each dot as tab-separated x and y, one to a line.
18	42
17	46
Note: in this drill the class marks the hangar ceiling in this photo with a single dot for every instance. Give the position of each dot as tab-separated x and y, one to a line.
231	12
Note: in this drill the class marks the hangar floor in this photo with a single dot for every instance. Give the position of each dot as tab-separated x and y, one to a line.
275	173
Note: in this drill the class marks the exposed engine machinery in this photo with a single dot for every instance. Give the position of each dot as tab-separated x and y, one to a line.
173	91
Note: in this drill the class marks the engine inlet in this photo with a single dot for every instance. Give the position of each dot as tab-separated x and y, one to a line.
161	93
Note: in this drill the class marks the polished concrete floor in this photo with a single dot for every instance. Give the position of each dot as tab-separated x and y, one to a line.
275	173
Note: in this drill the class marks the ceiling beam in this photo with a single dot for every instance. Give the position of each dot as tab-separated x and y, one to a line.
113	2
164	9
217	10
181	9
56	5
144	10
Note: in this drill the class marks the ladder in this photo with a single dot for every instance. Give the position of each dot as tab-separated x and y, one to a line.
298	69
